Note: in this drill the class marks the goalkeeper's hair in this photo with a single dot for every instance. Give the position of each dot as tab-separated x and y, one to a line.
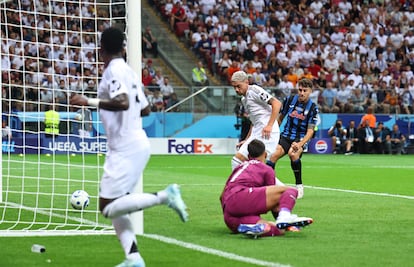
256	148
306	83
112	40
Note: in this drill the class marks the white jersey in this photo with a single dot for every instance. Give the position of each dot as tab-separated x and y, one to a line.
123	128
256	104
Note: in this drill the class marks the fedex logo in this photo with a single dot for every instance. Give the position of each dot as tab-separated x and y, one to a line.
196	147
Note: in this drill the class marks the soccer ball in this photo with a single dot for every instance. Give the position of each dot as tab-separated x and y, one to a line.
79	200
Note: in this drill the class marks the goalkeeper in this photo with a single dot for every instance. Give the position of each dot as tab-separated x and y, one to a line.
250	191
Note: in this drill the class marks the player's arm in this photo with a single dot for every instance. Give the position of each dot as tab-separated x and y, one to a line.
118	103
309	134
276	105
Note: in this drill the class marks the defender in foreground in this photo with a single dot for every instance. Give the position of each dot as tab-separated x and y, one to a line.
121	104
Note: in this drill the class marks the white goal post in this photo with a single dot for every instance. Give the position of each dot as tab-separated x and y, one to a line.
47	52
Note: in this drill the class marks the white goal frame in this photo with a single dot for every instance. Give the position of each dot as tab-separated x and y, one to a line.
134	56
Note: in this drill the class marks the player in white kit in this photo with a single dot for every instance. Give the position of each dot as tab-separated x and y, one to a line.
263	110
121	103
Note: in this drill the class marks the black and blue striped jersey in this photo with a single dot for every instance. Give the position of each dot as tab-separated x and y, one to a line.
299	117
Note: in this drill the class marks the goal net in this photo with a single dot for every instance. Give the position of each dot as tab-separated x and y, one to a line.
49	50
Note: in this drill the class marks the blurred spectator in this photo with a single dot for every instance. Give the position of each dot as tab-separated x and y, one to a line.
150	67
172	101
329	99
286	86
83	126
235	66
6	130
366	136
199	75
391	98
91	89
61	97
146	77
153	86
159	77
223	65
337	132
381	134
406	101
149	43
352	141
157	102
259	78
166	89
357	101
370	117
381	94
395	141
178	14
51	121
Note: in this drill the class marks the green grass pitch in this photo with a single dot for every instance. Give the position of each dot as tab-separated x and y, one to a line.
362	206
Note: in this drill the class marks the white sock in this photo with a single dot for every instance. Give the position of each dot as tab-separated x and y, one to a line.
278	182
235	162
283	213
126	235
133	202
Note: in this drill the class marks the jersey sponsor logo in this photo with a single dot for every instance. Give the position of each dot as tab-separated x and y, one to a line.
196	146
321	146
295	114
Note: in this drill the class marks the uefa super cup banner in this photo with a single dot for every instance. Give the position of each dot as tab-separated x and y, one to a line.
65	144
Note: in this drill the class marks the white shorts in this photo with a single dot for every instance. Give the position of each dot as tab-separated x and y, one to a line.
123	170
270	144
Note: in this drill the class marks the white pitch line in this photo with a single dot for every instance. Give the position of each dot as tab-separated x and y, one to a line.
216	252
359	192
312	187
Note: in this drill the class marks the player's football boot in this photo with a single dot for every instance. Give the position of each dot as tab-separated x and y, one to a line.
176	202
132	263
252	229
284	222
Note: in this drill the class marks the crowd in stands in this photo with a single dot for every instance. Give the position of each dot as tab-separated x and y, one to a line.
50	49
359	54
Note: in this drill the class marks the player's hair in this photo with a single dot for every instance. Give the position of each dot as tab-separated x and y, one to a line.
239	76
304	82
112	40
255	148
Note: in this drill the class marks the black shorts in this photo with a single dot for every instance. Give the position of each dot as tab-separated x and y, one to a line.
285	143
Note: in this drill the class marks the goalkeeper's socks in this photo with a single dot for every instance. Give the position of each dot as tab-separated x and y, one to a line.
271	164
